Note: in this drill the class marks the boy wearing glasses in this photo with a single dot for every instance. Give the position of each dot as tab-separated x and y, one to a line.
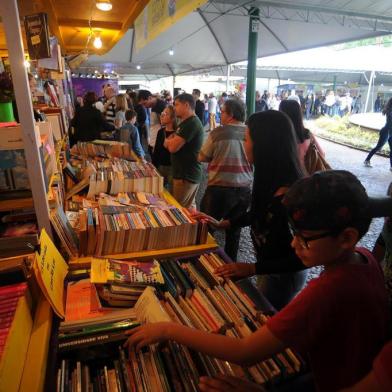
340	320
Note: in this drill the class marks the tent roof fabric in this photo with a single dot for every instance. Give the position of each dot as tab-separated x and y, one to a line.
216	34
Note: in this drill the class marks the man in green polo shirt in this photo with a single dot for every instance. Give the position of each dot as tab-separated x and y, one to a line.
184	145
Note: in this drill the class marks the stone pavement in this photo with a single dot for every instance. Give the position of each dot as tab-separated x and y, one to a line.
375	180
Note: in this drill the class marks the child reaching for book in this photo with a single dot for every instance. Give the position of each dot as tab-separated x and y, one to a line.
340	320
128	133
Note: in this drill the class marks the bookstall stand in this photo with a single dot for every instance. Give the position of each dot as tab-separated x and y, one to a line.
35	362
36	359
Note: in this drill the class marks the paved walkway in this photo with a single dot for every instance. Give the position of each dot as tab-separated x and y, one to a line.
375	180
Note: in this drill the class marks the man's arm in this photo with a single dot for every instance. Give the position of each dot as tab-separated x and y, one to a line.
207	151
174	143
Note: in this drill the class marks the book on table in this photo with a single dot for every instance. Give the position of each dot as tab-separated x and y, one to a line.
217	306
126	223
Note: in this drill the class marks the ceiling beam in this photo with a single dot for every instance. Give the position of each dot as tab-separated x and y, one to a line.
132	45
274	35
95	24
213	35
171	70
136	8
323	10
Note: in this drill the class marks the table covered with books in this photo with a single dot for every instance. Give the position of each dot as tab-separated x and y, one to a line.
118	295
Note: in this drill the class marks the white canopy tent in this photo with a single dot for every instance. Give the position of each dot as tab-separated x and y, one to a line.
217	34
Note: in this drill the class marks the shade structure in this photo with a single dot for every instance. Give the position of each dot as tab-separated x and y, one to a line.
216	34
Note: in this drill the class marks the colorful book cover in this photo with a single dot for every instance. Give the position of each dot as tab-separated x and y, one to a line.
116	271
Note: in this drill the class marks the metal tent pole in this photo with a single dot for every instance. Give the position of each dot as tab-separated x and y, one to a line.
10	18
252	59
368	92
228	78
334	83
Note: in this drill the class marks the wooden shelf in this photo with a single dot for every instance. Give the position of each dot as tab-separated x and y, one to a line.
85	262
16	204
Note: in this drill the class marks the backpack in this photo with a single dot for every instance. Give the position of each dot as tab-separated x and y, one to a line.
314	160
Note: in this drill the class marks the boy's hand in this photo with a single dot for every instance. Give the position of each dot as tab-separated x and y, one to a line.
236	270
222	224
147	334
222	383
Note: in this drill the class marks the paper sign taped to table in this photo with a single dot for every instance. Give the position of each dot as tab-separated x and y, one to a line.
50	270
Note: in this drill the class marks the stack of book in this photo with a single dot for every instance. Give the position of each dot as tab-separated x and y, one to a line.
87	322
112	176
104	148
192	295
15	269
129	222
227	311
106	375
66	233
115	175
14	177
15	329
120	283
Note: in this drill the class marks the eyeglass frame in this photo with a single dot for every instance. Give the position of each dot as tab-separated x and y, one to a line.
304	241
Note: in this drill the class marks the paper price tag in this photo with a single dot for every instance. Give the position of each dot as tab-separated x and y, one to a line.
50	270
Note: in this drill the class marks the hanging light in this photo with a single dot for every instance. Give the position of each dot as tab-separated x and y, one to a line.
103	5
138	67
171	52
97	42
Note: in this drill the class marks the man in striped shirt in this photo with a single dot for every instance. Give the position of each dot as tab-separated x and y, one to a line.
110	104
229	172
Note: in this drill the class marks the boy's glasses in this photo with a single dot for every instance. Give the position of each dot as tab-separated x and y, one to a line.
303	240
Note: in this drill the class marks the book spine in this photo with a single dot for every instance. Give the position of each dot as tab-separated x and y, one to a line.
91	341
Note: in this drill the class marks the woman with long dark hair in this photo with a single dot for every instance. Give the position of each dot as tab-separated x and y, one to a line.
385	135
304	136
161	156
271	145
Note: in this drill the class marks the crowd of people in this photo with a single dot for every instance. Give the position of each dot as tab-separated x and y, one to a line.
313	105
258	177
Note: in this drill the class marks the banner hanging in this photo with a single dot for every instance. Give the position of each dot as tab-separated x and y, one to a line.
158	16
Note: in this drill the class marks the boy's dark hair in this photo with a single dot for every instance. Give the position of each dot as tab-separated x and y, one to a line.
186	98
235	108
144	95
331	200
130	114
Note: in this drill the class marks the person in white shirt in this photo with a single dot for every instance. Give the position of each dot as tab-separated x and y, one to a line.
330	102
212	104
294	97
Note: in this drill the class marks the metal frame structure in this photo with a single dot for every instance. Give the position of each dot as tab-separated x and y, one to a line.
10	17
